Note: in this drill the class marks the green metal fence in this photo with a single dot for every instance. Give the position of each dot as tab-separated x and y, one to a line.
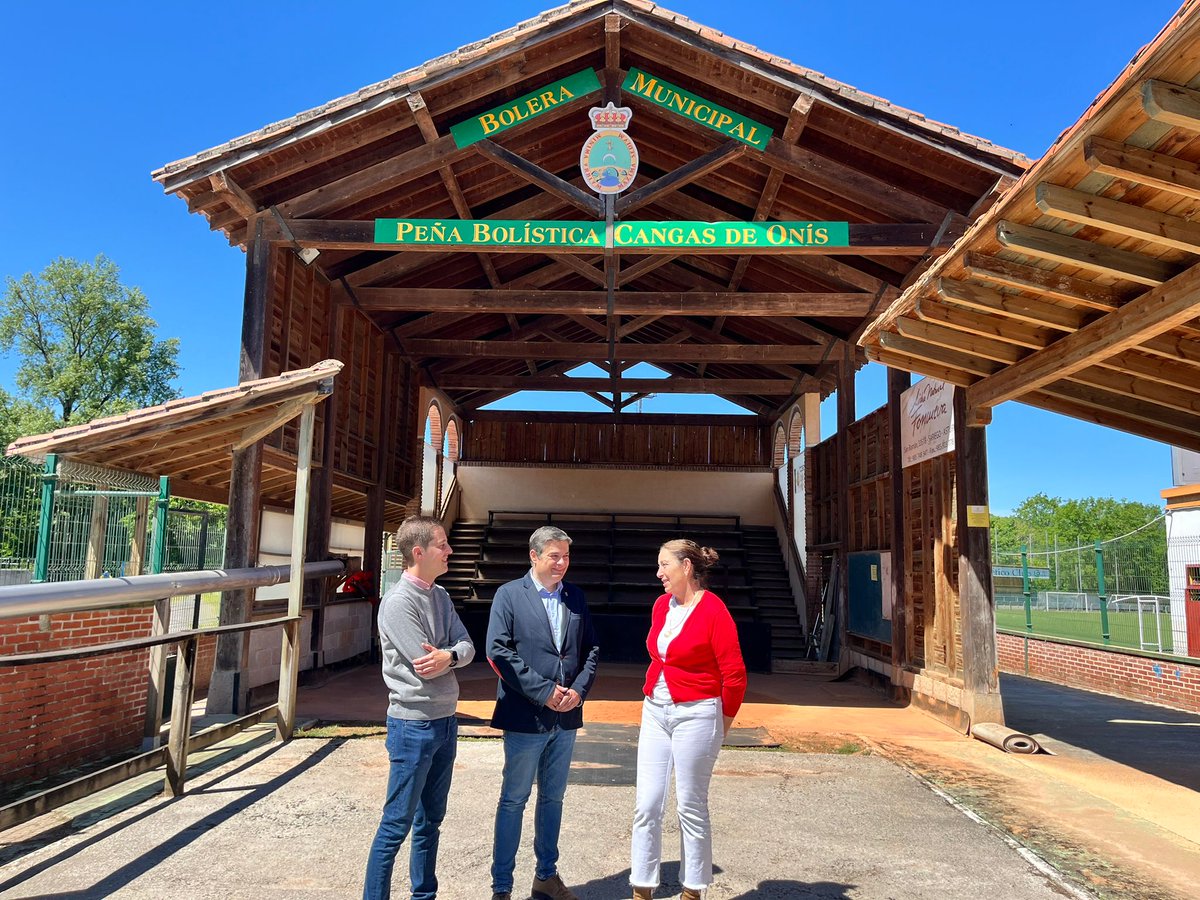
93	523
1114	593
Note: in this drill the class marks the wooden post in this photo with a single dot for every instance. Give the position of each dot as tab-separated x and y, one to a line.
289	663
97	533
228	691
845	418
898	382
320	505
141	529
981	678
812	420
181	717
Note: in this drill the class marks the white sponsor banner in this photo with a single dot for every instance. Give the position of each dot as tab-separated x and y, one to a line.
926	420
1185	467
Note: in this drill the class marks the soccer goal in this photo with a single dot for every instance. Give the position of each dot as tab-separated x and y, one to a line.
1068	600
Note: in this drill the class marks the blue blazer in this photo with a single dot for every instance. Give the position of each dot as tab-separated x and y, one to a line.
525	655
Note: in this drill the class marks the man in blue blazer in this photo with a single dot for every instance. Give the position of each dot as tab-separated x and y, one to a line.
541	643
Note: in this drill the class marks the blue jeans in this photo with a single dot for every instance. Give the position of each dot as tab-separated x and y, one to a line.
549	757
422	755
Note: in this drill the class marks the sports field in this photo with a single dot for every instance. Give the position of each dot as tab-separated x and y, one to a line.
1079	625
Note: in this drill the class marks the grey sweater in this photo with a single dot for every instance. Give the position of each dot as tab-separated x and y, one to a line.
408	617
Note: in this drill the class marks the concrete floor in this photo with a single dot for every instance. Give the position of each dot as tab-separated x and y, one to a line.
1113	810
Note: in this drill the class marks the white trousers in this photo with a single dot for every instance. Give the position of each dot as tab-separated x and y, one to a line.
684	738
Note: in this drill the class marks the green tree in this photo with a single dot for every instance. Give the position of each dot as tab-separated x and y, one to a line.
86	345
1051	526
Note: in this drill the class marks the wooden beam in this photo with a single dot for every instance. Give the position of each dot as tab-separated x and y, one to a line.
428	129
628	303
1156	170
797	119
942	336
746	353
846	181
375	179
536	175
1048	282
1122	218
613	24
1151	314
571	418
1171	104
1013	332
685	174
223	184
1023	309
674	385
919	365
640	268
977	614
1106	416
582	267
1085	254
943	356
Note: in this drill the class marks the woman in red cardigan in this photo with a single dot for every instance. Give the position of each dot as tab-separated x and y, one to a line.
693	689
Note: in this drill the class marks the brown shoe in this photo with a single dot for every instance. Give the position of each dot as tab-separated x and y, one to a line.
551	888
689	894
642	893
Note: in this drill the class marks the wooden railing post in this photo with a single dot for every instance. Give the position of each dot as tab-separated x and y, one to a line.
289	661
181	717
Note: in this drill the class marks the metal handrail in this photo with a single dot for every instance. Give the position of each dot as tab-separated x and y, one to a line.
110	593
52	597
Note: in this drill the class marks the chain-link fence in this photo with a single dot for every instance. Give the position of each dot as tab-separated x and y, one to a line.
1116	592
100	524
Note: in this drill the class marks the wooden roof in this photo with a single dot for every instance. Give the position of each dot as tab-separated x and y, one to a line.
191	439
754	328
1079	290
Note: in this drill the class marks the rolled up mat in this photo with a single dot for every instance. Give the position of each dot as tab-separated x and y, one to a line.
1004	738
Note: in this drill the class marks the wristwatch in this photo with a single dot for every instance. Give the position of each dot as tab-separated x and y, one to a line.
453	658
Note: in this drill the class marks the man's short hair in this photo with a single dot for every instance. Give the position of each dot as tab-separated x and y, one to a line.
415	531
544	535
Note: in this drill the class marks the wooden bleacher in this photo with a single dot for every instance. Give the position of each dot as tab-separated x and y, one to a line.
614	560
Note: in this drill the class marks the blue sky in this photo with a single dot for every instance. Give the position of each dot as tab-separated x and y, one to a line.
99	95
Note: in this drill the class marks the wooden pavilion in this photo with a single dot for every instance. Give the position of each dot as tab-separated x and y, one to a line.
731	139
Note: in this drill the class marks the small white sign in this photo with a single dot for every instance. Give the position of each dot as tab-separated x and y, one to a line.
1185	467
926	420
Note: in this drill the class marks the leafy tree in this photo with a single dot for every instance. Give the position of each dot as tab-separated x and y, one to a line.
1134	564
86	345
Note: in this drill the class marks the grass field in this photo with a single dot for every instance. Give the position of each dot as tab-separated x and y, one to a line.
1085	626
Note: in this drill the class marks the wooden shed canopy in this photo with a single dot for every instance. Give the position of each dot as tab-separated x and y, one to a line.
755	325
1079	291
190	439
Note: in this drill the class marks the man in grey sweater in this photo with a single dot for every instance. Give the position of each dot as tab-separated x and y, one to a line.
422	640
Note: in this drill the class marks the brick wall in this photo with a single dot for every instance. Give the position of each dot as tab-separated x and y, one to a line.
57	715
1154	680
206	657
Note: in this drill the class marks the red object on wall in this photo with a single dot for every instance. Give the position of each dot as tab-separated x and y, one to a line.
1191	609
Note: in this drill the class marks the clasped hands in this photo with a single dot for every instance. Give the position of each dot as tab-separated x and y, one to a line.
432	663
563	699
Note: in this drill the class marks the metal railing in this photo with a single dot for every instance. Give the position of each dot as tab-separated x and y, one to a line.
113	593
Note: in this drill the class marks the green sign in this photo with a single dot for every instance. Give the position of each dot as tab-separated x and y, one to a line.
690	106
626	235
524	108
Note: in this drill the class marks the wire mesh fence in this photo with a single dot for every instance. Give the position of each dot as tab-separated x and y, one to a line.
100	524
1116	592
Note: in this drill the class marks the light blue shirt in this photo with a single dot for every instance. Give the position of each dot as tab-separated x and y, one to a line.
552	600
